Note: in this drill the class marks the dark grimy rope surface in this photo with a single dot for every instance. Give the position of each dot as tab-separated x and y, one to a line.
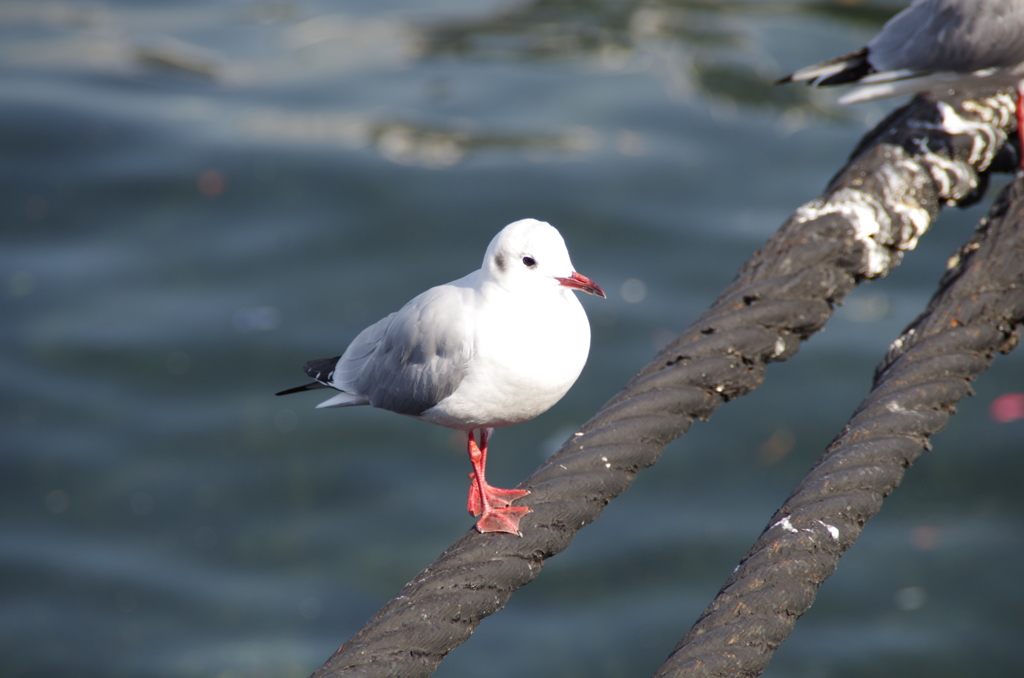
925	155
977	312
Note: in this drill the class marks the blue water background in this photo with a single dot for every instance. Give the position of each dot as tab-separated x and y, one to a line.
197	197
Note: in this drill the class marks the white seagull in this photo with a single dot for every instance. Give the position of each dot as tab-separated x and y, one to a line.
932	44
494	348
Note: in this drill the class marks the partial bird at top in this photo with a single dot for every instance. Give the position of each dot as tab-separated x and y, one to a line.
496	347
933	44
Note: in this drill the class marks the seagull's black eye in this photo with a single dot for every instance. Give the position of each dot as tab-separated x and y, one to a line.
530	262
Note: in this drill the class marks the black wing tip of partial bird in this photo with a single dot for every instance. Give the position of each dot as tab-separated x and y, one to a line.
844	69
322	369
851	74
299	389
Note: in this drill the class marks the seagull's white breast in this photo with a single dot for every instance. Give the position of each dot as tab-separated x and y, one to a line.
529	348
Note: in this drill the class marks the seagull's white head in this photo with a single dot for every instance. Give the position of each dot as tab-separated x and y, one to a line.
531	254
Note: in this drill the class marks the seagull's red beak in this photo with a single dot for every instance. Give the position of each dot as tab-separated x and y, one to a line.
582	283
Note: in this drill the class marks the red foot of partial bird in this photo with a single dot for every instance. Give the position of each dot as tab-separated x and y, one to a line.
495	497
502	520
492	504
1020	123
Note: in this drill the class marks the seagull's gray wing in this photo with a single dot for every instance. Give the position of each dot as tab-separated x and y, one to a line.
414	358
951	35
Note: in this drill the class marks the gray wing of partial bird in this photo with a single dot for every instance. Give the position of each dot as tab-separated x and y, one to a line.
414	358
951	35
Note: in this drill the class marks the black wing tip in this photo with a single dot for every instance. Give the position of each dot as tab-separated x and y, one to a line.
299	389
322	369
856	66
850	75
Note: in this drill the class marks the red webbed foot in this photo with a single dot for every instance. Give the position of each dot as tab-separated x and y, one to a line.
492	504
492	496
502	520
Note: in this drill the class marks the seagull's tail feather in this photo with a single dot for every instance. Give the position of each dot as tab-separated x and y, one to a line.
344	400
305	387
896	83
847	68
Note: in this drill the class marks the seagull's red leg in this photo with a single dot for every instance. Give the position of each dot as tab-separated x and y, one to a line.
1020	122
477	457
492	504
479	489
